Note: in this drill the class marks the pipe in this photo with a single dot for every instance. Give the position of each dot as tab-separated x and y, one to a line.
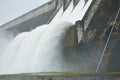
103	52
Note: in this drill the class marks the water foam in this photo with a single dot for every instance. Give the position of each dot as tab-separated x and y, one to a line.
38	50
41	49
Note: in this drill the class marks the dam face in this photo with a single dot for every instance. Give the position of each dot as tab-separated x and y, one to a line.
39	16
45	48
80	54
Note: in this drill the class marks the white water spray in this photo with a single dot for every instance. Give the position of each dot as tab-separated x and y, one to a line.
74	16
36	51
41	49
57	16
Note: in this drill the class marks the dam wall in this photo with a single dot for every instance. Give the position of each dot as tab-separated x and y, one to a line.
44	14
39	16
34	18
96	35
96	22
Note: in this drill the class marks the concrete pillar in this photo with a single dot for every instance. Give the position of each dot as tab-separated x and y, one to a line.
66	4
70	38
75	2
80	30
57	3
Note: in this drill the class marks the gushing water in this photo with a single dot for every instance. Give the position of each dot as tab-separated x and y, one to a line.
41	49
38	50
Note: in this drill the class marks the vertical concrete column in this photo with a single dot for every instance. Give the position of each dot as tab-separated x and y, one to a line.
66	4
75	2
95	4
80	29
57	3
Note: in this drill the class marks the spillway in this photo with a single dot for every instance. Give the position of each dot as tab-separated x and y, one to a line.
40	50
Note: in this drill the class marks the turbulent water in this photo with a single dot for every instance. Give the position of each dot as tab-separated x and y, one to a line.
39	50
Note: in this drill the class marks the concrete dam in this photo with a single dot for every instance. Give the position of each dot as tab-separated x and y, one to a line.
41	15
45	32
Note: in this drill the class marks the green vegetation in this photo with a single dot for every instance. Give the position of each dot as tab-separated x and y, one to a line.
52	74
1	77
